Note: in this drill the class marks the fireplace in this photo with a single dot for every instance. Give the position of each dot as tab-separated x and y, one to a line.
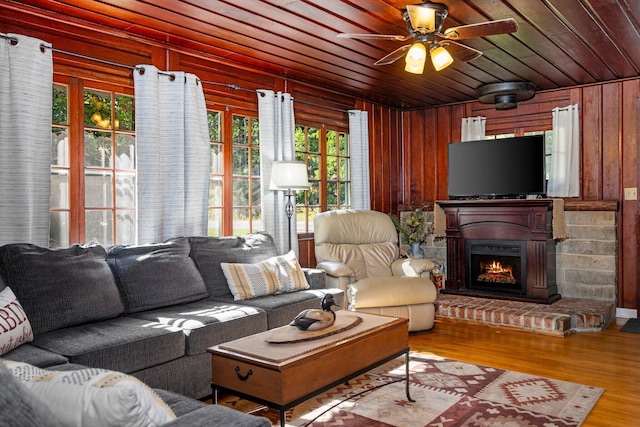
497	266
500	249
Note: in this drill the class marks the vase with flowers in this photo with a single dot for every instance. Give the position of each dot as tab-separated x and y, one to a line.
413	228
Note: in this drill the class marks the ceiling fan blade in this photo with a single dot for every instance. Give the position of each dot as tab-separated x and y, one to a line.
461	52
374	37
483	29
393	56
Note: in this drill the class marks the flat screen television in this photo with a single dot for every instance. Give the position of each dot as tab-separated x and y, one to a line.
497	168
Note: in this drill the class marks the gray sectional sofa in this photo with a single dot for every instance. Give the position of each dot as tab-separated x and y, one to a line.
147	310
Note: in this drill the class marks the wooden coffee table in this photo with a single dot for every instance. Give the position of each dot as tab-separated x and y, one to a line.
285	374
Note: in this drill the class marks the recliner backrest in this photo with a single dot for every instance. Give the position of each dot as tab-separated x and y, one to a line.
365	240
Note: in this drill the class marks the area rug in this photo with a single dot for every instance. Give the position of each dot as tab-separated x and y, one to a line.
447	393
632	326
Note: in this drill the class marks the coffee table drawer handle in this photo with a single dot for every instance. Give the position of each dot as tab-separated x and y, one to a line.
243	377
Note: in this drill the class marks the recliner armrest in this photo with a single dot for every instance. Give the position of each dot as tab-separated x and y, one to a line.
336	269
412	267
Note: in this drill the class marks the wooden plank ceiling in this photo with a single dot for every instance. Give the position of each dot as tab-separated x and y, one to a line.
560	43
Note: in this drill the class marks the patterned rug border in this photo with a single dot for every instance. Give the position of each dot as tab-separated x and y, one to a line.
458	394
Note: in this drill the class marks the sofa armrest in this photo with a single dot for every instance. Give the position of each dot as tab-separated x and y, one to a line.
316	278
412	267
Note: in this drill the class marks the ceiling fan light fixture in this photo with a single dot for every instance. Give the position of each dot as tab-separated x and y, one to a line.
426	17
415	59
440	57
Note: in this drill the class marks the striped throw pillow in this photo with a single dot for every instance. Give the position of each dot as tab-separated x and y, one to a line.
275	275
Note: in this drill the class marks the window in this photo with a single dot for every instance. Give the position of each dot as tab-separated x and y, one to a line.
60	169
109	168
326	153
247	212
234	177
94	159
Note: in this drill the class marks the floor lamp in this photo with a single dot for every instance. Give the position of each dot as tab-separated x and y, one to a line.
289	176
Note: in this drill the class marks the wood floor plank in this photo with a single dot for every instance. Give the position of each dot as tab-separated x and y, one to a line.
609	359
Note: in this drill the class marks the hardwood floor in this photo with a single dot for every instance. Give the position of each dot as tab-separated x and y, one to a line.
608	359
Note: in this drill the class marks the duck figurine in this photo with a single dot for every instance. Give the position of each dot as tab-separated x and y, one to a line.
313	319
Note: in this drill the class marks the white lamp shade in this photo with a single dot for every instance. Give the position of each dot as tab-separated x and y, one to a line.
415	58
289	175
440	58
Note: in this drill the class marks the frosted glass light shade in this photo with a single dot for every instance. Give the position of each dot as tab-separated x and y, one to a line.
422	18
416	58
289	175
440	58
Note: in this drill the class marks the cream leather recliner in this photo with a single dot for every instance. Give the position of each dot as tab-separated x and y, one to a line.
358	249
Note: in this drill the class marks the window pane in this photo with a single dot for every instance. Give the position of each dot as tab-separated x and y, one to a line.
314	193
314	140
60	107
59	230
59	189
332	168
97	149
125	151
99	227
332	194
240	222
240	161
59	147
215	191
216	159
240	130
332	145
125	189
126	227
214	227
344	195
255	132
255	162
125	113
255	192
240	192
256	222
98	189
97	109
213	119
343	144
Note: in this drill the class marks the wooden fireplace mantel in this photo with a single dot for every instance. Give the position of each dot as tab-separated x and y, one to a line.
503	219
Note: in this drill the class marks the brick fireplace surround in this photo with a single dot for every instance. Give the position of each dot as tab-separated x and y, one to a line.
586	275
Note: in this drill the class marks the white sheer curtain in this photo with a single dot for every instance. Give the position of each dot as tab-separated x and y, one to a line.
26	82
473	128
172	142
359	142
277	128
564	178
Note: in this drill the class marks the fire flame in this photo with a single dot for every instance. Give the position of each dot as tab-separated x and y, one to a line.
496	268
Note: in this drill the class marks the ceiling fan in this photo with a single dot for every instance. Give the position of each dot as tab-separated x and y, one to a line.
424	22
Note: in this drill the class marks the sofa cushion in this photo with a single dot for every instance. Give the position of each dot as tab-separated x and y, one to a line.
209	252
61	287
15	328
122	344
95	397
36	356
276	275
207	323
19	407
156	275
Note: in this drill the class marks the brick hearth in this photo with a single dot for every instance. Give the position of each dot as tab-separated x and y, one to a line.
564	317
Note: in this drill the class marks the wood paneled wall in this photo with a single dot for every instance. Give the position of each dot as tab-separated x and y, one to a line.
609	138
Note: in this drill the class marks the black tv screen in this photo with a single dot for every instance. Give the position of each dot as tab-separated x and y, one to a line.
497	168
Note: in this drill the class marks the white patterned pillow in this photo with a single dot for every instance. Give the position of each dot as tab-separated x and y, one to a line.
95	397
275	275
15	328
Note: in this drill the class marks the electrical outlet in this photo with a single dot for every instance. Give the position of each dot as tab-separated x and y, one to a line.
631	193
